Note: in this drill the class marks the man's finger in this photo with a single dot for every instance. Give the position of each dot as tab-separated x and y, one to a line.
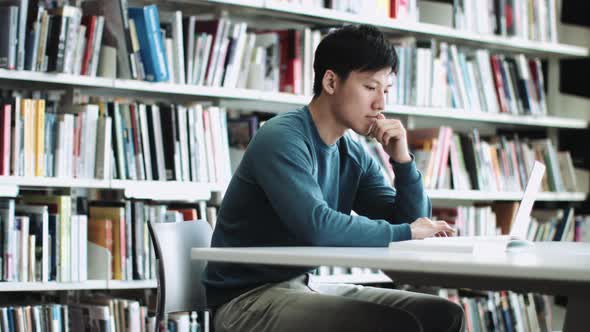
390	133
444	226
382	129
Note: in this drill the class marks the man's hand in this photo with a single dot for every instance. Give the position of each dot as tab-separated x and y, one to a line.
424	227
392	135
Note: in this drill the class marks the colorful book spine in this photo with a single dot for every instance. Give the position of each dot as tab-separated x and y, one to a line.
147	22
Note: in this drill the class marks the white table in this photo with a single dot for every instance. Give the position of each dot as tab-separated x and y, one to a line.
548	267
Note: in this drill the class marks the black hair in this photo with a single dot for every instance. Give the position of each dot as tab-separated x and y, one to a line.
352	47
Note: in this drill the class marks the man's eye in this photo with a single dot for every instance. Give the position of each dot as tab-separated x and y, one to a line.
386	91
370	88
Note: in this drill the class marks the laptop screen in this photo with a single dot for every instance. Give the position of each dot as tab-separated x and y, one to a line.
521	221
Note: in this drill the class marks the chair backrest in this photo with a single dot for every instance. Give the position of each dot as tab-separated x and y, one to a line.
179	277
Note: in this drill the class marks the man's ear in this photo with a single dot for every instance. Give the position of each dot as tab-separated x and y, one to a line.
329	82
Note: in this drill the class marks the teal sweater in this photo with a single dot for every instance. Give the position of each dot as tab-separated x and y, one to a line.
291	189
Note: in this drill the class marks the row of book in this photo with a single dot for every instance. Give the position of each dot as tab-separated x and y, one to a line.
116	41
450	160
555	225
469	220
41	239
99	314
44	38
484	311
544	225
526	19
224	53
169	142
114	140
101	37
502	310
442	75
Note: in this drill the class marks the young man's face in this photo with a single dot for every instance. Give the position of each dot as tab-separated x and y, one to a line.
361	97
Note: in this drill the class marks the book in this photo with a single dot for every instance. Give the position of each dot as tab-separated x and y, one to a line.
114	211
8	37
116	32
153	54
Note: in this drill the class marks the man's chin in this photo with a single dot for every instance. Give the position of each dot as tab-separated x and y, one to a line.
368	131
363	132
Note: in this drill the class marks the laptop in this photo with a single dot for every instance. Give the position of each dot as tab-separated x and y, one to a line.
518	232
520	226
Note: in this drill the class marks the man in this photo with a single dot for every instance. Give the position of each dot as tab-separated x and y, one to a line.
300	178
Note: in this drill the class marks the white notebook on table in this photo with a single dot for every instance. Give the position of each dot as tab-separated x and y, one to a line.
487	244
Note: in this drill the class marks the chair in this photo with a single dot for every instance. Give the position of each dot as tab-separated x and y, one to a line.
179	277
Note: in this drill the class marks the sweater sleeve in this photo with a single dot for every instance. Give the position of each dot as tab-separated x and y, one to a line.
404	204
282	165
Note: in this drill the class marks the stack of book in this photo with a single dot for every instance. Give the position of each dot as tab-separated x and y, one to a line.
469	220
545	224
51	39
100	314
42	240
524	19
450	160
114	140
552	225
503	310
442	75
107	39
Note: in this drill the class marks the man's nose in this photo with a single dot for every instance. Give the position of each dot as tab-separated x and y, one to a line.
379	102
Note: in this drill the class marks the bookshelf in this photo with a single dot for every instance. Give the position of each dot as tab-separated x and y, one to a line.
249	99
270	8
263	100
193	191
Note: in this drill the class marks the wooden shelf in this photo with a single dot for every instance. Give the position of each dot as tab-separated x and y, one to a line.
90	284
